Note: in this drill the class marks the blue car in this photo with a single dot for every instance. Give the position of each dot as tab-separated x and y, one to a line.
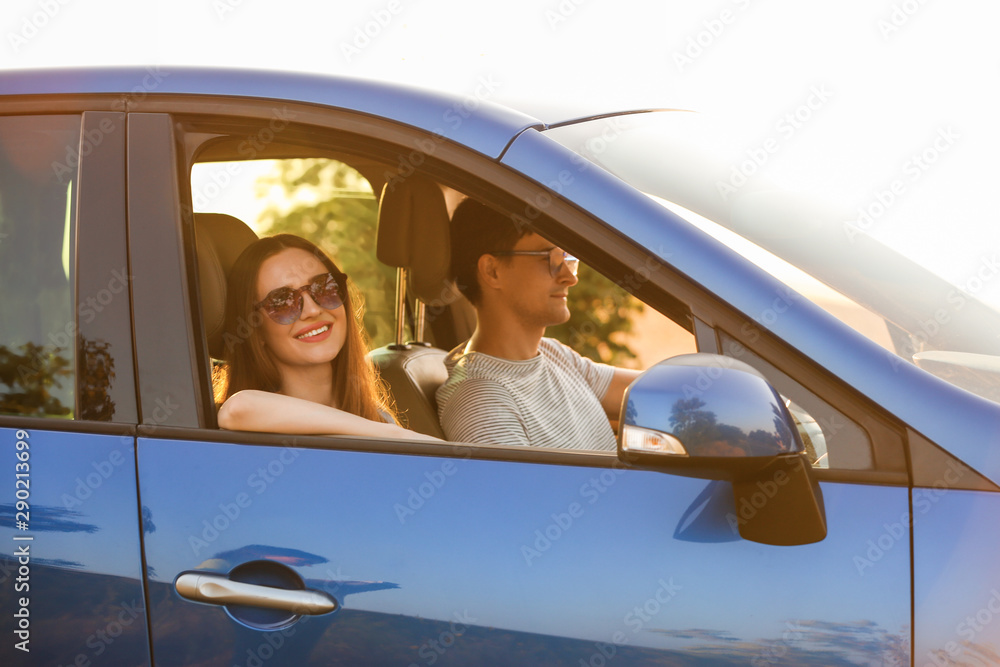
805	472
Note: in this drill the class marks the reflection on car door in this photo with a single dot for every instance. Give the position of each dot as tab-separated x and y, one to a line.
447	559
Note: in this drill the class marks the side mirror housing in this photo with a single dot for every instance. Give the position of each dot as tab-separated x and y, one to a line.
714	417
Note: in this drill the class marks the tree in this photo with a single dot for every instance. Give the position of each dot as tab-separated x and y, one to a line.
334	206
30	377
601	313
691	423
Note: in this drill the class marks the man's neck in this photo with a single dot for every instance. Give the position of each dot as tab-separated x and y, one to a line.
505	338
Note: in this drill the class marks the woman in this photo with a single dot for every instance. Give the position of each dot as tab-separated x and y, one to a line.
296	352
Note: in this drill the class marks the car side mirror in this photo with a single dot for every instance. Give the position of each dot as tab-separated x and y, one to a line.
714	417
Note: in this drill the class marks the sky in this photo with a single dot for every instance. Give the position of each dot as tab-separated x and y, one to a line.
893	103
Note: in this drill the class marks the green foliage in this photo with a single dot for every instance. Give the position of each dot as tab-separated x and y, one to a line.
691	423
30	377
97	373
339	216
601	313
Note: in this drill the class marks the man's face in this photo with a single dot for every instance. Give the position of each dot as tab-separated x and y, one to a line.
528	288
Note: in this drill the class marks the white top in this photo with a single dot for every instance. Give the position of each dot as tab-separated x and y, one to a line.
552	400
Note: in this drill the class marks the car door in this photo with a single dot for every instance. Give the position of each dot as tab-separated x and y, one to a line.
71	576
954	479
398	552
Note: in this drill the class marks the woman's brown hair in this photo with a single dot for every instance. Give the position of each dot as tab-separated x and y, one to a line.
356	386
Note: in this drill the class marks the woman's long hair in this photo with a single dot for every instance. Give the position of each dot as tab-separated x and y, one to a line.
356	386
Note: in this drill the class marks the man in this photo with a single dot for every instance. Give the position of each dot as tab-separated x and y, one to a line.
509	384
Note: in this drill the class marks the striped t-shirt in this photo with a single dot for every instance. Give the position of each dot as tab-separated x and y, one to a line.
551	400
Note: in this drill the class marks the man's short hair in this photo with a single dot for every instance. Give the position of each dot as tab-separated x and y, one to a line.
477	230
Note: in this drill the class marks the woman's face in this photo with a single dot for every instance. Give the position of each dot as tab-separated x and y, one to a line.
318	335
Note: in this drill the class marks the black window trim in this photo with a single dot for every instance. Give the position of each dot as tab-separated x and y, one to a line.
102	258
99	248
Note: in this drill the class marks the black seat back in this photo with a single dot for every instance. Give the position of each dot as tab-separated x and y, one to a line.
413	235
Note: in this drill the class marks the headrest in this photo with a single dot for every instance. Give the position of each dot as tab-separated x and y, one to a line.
413	233
220	239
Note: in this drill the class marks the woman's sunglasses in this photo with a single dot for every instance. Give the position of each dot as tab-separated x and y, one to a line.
284	305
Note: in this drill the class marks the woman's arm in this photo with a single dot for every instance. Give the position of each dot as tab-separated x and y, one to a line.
254	410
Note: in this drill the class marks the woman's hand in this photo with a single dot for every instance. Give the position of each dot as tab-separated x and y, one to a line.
407	434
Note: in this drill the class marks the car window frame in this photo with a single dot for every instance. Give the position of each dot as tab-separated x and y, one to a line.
598	244
711	314
99	253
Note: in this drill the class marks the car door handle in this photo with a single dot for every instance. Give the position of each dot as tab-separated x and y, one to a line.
219	589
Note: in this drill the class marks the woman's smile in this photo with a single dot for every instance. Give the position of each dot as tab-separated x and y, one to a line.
314	333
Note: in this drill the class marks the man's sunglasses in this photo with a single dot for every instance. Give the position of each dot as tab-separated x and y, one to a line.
556	258
284	305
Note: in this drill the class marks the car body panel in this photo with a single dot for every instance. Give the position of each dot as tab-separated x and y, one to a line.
83	581
472	120
956	577
675	574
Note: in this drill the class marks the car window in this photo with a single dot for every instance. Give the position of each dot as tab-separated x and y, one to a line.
334	205
331	198
609	325
38	177
325	200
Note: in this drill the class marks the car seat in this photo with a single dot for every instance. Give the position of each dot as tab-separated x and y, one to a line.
219	239
413	236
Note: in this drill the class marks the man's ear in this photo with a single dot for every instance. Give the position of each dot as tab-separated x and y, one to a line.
487	268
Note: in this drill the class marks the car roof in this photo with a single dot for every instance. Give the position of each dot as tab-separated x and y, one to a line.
471	120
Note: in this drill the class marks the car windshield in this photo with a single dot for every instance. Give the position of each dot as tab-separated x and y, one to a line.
869	265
